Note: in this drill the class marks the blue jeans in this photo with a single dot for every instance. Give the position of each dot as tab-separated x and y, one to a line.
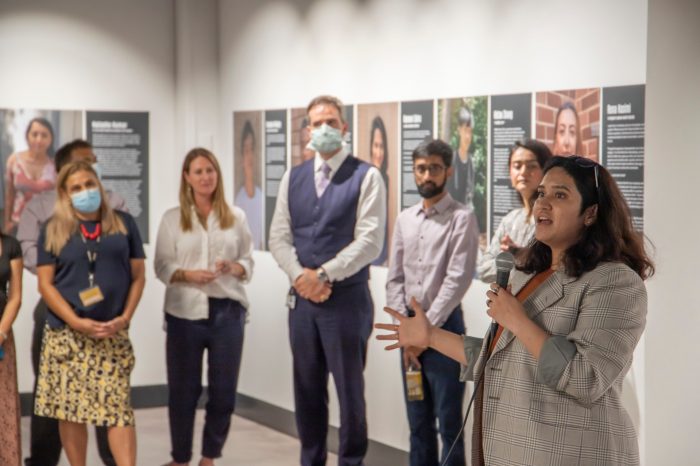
222	336
443	395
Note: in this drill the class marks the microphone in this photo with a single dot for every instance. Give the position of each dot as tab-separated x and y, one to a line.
504	264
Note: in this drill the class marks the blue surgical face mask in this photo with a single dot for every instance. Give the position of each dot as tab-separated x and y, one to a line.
98	170
86	201
326	139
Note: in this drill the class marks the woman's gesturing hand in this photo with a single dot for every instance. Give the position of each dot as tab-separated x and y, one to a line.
410	331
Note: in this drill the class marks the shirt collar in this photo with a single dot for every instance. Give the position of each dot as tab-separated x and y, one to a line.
439	208
334	162
211	219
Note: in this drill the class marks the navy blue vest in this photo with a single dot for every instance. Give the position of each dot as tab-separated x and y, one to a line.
323	226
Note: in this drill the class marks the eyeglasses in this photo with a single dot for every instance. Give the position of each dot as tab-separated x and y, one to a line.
434	169
583	162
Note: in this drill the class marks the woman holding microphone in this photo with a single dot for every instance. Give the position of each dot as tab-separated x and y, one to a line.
204	256
549	383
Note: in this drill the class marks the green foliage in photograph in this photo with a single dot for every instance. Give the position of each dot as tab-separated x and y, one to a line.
478	106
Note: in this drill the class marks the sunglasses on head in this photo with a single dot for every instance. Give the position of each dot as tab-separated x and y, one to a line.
583	162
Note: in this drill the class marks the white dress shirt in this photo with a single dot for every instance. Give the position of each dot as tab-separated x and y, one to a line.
200	249
369	225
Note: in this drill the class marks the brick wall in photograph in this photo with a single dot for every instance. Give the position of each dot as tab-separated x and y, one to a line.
587	103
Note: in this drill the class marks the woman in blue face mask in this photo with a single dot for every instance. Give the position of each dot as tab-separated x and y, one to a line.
91	274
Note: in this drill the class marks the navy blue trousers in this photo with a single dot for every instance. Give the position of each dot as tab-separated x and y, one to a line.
222	336
443	395
331	337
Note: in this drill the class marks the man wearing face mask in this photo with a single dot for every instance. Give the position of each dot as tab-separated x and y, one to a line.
432	260
327	228
45	446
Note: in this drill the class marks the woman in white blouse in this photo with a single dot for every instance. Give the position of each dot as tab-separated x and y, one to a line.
203	255
525	162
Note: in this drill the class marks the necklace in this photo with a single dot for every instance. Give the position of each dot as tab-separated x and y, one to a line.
91	236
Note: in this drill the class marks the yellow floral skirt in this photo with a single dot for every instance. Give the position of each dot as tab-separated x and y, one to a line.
85	380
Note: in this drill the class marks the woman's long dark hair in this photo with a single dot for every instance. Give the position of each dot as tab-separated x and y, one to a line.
611	237
378	124
247	132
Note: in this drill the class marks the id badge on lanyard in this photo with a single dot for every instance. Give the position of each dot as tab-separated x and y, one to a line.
92	294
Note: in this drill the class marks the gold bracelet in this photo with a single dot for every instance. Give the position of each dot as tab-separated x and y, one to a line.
4	336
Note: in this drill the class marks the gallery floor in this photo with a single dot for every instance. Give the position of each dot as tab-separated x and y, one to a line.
249	444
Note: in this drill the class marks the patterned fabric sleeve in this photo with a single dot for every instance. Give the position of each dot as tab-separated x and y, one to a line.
472	348
611	320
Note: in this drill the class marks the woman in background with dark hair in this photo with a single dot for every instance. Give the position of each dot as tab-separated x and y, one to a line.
525	162
379	155
250	197
28	172
567	131
549	382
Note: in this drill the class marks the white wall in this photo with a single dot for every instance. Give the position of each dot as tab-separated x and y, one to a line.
673	163
197	75
98	55
280	54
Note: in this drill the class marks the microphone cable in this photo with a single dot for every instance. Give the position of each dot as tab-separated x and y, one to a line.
466	417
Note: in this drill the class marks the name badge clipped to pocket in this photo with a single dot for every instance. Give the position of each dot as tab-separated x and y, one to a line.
291	298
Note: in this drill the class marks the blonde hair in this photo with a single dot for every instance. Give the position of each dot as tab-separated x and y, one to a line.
64	222
219	205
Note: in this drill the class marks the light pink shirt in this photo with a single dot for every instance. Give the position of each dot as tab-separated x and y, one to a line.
432	258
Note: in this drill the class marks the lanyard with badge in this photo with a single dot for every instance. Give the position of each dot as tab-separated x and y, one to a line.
92	294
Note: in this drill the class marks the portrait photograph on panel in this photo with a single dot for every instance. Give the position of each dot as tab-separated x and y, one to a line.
462	122
29	139
247	171
377	143
299	136
569	121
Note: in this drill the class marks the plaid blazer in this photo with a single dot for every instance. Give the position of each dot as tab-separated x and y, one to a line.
581	420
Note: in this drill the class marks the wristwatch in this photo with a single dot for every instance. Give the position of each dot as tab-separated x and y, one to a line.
322	275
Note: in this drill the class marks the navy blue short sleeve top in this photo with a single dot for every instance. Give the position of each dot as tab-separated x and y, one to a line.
112	269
